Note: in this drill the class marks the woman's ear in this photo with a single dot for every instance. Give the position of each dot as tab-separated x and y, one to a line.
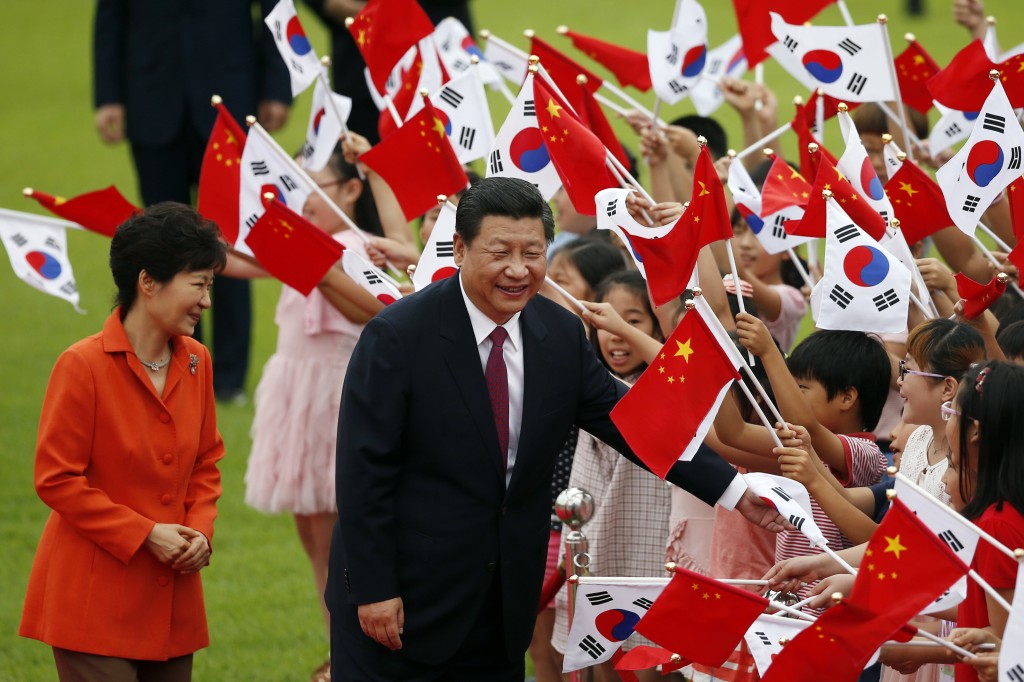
351	190
949	388
146	284
972	432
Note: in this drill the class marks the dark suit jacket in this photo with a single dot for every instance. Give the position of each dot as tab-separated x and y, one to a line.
163	59
423	509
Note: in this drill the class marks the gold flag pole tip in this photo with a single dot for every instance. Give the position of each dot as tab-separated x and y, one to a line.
533	68
842	107
528	33
826	194
882	19
442	198
675	658
28	191
349	21
1019	553
581	79
473	59
268	196
890	494
534	59
250	121
836	597
993	74
562	30
902	156
798	101
812	147
702	141
689	304
768	152
990	20
892	471
670	567
410	270
697	291
424	92
895	222
216	100
1003	278
484	33
886	138
325	60
909	37
731	153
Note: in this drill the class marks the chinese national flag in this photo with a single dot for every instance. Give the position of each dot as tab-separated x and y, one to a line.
700	618
666	413
978	297
917	202
1015	192
579	156
629	66
418	163
669	260
829	178
101	211
964	84
783	187
564	70
756	26
592	117
1016	255
220	175
804	136
403	98
291	248
914	66
384	30
830	107
905	567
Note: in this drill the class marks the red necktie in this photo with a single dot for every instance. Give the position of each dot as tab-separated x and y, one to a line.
496	376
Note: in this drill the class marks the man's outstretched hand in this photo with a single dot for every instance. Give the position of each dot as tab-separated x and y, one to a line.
760	513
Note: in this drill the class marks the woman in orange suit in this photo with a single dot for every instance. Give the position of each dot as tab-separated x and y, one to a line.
126	458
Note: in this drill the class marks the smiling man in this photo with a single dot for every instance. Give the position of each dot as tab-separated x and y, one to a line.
456	403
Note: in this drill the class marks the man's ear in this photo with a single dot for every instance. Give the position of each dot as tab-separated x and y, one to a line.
847	398
459	247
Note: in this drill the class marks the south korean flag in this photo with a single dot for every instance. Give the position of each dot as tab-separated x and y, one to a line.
960	535
846	62
456	48
264	170
510	65
438	259
858	169
864	288
613	215
1011	658
953	127
769	230
607	610
291	41
983	167
461	104
764	635
519	150
791	499
677	57
725	60
326	121
369	277
38	250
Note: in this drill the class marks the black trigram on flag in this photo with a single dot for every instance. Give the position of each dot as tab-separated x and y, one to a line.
715	65
466	137
951	540
849	47
779	227
19	239
297	65
1014	158
857	83
451	97
995	123
797	521
277	30
259	168
68	288
445	249
781	492
592	647
1016	673
886	300
613	207
676	87
841	296
53	244
495	162
673	54
529	108
790	44
287	181
643	602
971	203
372	277
846	233
598	598
459	65
953	130
251	220
885	217
764	638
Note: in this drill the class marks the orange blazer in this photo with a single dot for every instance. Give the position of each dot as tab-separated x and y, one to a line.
113	458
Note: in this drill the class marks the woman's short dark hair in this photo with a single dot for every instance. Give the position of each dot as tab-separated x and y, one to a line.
633	282
164	239
507	197
594	257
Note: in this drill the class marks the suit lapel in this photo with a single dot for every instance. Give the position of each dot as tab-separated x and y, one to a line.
536	370
462	358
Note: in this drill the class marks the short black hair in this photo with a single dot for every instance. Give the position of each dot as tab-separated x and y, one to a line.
840	359
634	282
1011	340
594	257
712	130
508	197
164	239
365	209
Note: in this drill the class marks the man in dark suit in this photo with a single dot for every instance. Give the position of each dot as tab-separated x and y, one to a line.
156	64
455	405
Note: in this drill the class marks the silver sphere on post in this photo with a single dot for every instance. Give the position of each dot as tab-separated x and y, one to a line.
574	507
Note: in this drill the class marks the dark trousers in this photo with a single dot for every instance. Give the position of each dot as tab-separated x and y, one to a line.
481	658
74	666
170	172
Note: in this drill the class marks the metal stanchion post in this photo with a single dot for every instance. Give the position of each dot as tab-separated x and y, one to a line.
575	507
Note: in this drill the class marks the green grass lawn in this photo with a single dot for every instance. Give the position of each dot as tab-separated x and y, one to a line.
263	617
